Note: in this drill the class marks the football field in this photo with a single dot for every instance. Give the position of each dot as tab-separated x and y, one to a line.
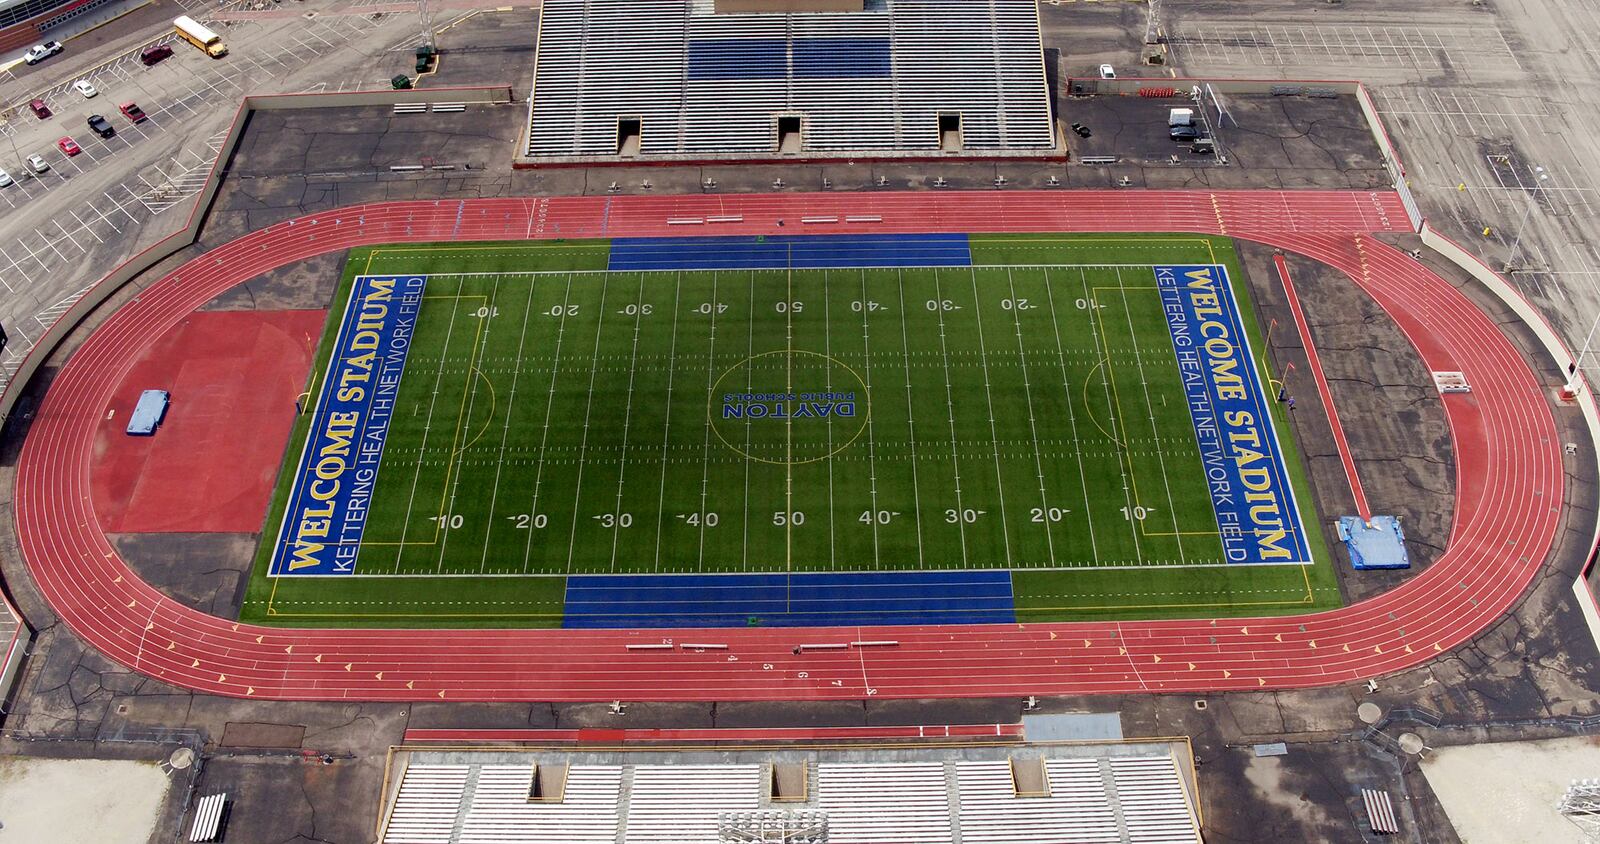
1089	417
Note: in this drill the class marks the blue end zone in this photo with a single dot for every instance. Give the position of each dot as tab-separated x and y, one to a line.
790	251
1254	501
800	600
327	511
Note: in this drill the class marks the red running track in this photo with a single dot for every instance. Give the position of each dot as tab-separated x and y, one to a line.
1509	490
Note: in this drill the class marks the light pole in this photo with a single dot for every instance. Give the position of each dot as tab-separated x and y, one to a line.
1575	369
1516	242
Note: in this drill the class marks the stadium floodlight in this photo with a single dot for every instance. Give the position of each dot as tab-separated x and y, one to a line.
1581	805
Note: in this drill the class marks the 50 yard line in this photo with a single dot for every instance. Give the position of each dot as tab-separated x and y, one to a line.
788	422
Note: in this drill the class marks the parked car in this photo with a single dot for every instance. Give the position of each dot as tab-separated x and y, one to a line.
40	109
39	52
133	112
5	179
1183	133
37	164
154	53
1108	72
69	146
84	87
101	126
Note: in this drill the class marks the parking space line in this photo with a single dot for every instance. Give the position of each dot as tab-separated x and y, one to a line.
16	266
34	255
96	209
69	237
85	226
119	206
47	242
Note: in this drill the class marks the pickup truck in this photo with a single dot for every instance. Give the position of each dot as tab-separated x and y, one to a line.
39	52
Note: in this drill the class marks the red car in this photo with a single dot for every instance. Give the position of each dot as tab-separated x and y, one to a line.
69	146
154	53
40	110
133	112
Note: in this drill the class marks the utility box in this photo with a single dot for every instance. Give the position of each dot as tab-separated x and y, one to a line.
1180	117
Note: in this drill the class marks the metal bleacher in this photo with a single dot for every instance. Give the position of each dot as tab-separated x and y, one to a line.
700	82
885	803
427	804
502	814
683	803
1154	803
1115	798
1075	810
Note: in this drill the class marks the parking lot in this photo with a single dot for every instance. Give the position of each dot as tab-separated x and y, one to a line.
61	228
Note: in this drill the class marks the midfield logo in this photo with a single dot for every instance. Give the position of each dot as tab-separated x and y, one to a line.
788	405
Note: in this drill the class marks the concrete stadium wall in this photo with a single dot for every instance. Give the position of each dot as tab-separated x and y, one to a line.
15	650
1131	85
1563	358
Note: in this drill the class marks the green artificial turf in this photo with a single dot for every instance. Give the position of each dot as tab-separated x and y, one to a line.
1025	414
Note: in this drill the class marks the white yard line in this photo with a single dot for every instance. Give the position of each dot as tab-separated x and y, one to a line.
1033	427
588	407
505	430
427	425
749	385
666	425
872	449
627	423
544	437
705	458
911	425
481	341
827	349
788	422
1122	468
950	412
1072	418
994	434
1150	413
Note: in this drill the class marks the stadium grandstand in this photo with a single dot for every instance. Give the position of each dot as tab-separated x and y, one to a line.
1112	793
690	79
